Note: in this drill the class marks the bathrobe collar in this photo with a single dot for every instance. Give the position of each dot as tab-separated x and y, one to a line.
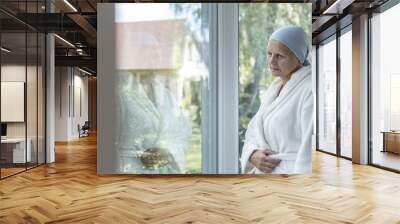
271	99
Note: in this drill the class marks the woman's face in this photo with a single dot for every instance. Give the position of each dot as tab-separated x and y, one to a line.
281	60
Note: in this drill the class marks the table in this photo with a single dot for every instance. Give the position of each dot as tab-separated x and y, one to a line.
391	141
13	150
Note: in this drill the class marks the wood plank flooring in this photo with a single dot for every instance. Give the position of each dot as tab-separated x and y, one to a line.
10	171
387	159
70	191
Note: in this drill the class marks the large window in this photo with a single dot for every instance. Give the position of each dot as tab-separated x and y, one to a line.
327	96
346	93
183	75
329	111
385	89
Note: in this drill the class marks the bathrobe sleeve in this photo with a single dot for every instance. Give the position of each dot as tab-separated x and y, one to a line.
250	145
303	163
253	131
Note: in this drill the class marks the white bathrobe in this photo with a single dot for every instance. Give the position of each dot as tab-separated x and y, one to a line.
283	124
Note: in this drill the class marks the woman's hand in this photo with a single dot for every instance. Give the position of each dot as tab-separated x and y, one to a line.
260	159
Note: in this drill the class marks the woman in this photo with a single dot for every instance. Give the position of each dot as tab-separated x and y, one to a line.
279	136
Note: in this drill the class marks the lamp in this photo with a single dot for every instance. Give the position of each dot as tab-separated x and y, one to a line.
64	40
5	50
70	5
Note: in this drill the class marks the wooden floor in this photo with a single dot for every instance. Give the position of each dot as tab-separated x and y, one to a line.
5	172
70	191
386	159
10	171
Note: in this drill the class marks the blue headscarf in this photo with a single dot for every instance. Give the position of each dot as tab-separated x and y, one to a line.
294	38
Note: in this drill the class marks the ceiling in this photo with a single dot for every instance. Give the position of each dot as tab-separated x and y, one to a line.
332	15
76	24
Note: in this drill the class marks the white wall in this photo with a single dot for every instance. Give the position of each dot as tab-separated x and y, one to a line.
61	103
12	73
70	83
16	73
80	83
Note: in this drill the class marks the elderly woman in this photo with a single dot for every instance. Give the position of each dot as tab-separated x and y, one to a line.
279	136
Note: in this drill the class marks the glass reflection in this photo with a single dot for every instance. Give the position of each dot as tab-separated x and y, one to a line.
159	99
15	149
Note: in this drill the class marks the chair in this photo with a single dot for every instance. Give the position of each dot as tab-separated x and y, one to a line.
84	130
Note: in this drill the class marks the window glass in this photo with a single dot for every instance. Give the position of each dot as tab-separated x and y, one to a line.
346	94
160	100
327	97
385	87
